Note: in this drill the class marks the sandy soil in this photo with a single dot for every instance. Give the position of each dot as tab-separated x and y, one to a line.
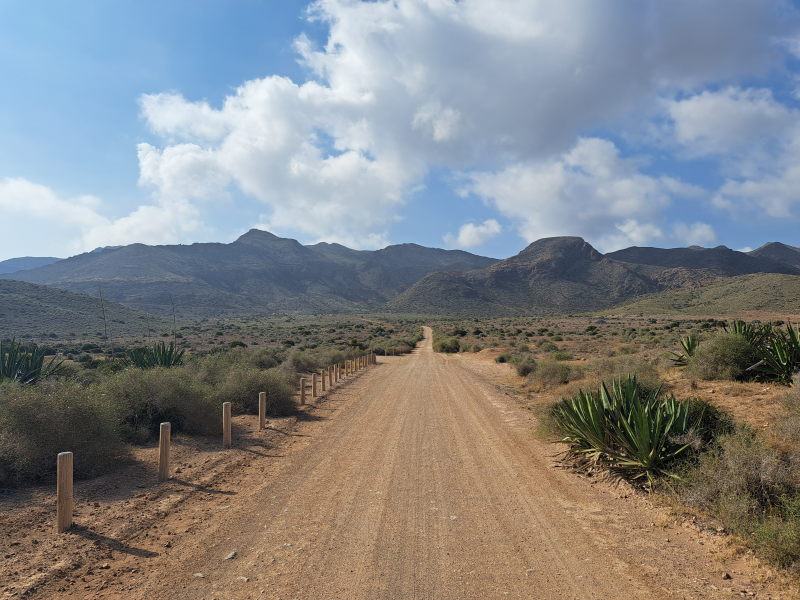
420	478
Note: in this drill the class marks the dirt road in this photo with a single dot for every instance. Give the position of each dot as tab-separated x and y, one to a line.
426	482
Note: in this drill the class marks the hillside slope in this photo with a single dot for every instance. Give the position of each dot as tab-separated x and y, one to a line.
29	311
13	265
767	292
259	273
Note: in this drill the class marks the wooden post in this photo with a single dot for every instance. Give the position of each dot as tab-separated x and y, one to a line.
330	376
64	500
302	391
313	385
163	451
226	424
262	410
322	379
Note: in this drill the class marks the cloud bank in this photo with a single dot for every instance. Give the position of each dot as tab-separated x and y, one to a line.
512	101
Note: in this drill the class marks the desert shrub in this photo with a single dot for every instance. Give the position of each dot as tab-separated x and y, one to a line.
303	362
241	386
550	373
788	428
725	356
753	488
264	358
503	358
606	370
526	366
145	398
561	355
546	346
38	422
448	345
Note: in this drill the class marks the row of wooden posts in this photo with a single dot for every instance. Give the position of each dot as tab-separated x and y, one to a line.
65	502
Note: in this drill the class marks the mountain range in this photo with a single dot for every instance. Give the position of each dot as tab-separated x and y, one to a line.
12	265
261	274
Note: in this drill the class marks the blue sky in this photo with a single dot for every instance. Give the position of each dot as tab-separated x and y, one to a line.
443	123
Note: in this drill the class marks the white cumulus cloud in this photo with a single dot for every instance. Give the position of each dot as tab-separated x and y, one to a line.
757	141
589	191
471	234
695	234
401	88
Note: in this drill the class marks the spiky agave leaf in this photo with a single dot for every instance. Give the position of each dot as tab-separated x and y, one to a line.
780	356
626	428
689	345
158	355
26	366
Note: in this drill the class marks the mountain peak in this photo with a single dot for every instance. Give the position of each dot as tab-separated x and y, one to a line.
257	235
562	246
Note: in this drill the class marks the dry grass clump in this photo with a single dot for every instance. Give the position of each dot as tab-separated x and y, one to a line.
550	373
38	422
240	386
143	399
753	486
606	370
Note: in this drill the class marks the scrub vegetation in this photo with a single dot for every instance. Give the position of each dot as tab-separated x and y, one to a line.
99	399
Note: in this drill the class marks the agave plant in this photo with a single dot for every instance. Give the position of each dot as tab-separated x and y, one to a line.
780	356
628	429
755	334
157	355
26	365
689	345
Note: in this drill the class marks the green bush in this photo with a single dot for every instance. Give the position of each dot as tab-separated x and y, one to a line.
562	355
725	356
38	422
448	345
145	398
607	370
241	386
550	373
